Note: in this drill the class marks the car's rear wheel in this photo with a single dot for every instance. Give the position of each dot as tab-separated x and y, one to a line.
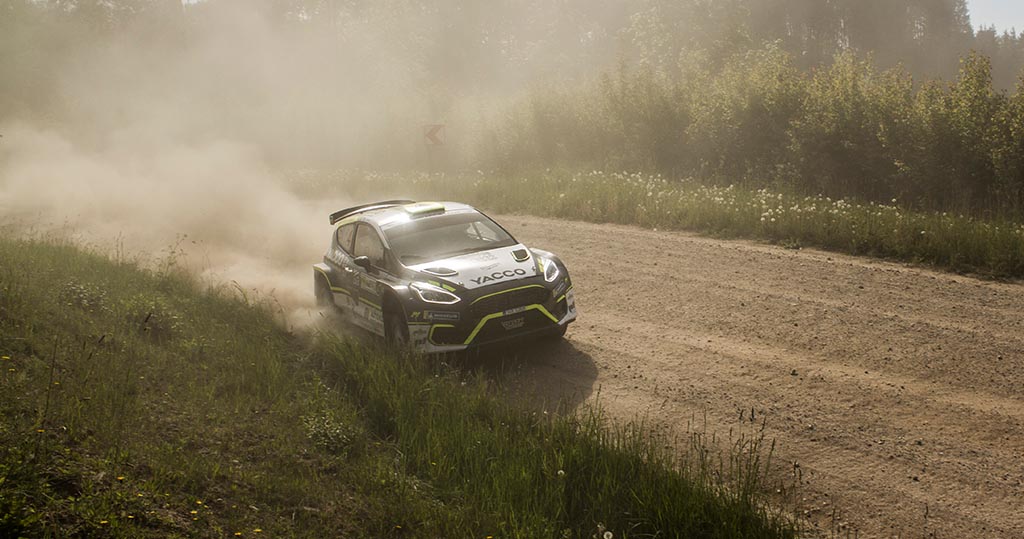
322	292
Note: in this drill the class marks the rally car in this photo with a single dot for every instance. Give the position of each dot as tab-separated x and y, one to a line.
440	277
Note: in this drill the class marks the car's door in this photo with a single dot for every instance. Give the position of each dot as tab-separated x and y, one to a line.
366	282
339	260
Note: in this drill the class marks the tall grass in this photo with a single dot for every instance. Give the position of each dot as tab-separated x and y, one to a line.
138	403
954	242
555	475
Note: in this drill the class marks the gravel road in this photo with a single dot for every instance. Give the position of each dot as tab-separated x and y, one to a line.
897	393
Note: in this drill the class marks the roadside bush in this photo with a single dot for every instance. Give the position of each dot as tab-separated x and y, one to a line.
848	130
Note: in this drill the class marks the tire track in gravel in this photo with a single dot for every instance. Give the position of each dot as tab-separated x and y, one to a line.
899	391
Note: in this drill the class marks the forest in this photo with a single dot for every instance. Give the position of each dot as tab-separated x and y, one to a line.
875	100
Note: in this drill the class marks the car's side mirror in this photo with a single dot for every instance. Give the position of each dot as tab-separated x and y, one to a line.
362	262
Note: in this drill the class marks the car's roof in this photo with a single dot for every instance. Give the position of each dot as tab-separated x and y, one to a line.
399	214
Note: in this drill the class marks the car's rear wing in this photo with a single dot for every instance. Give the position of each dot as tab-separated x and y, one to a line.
341	214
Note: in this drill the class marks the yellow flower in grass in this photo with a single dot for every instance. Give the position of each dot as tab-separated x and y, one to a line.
5	358
257	530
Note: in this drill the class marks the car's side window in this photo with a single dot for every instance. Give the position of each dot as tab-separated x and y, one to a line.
368	244
344	236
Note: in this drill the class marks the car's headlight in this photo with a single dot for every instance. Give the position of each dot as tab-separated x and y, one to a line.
432	294
550	269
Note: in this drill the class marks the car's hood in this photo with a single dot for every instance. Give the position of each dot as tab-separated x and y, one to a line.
483	268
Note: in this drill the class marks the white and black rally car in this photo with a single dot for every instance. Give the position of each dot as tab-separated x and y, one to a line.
440	277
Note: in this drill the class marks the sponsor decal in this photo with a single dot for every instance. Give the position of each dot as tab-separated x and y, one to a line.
514	310
334	255
500	275
485	256
515	323
440	315
490	266
367	283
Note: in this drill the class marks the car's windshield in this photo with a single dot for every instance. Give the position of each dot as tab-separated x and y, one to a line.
426	239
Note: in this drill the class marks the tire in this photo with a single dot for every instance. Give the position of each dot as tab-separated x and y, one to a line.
559	332
396	331
322	293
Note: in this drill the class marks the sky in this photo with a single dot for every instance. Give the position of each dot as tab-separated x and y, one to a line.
1004	14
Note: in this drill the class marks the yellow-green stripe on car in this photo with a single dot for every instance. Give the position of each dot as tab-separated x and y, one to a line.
430	336
488	318
329	285
370	303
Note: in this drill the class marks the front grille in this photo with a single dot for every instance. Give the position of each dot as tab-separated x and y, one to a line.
504	301
494	329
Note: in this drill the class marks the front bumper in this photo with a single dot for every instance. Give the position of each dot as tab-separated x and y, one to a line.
484	328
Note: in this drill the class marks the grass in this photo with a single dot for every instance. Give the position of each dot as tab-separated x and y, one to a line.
952	242
137	403
552	475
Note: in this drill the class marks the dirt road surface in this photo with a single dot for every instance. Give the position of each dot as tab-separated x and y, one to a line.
898	391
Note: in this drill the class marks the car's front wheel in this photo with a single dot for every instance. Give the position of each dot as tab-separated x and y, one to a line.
396	331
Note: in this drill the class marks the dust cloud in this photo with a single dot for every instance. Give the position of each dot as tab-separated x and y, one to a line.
215	205
158	123
166	139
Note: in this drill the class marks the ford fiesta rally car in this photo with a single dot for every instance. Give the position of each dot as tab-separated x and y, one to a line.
440	277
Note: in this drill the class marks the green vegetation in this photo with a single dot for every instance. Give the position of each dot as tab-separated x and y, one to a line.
138	404
845	131
143	403
954	242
